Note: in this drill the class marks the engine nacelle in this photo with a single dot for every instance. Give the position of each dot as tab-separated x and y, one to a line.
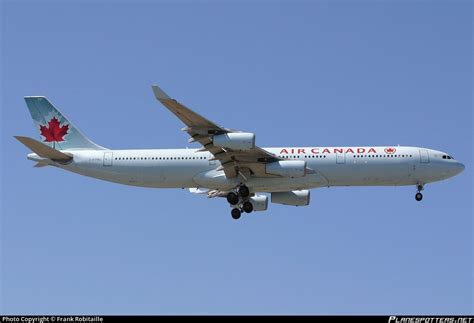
296	198
259	202
235	141
287	168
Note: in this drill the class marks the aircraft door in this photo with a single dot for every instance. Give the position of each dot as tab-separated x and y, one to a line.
424	157
340	158
108	159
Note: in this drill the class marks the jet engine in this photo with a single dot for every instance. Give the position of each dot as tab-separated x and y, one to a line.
259	202
235	141
287	168
296	198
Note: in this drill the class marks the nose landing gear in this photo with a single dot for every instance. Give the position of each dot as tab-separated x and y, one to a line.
418	195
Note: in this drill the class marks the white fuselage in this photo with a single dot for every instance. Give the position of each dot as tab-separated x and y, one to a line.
333	166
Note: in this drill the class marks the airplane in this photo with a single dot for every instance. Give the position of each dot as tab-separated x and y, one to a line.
229	164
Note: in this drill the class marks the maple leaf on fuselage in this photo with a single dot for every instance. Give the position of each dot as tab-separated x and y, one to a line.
54	131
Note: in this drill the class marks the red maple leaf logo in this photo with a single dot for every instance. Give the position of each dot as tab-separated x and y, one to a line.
54	132
390	150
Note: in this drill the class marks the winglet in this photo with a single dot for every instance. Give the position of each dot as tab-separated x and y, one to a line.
159	93
43	150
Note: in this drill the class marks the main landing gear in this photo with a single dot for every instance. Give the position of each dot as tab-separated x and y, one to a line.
232	198
240	201
236	213
418	195
244	191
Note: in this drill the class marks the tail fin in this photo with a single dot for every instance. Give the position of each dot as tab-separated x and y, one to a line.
55	130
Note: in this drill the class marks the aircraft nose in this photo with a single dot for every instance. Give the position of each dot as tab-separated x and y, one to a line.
458	168
461	167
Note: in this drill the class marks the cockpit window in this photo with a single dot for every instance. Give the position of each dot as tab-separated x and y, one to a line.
444	156
447	157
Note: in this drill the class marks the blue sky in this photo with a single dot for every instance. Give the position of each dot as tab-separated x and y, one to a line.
298	74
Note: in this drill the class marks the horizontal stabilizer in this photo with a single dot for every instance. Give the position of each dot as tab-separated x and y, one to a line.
44	151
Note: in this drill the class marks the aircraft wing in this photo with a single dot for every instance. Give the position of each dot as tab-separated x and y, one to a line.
202	130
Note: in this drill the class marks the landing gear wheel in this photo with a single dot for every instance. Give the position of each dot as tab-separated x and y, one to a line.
235	213
247	207
244	191
232	198
418	196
